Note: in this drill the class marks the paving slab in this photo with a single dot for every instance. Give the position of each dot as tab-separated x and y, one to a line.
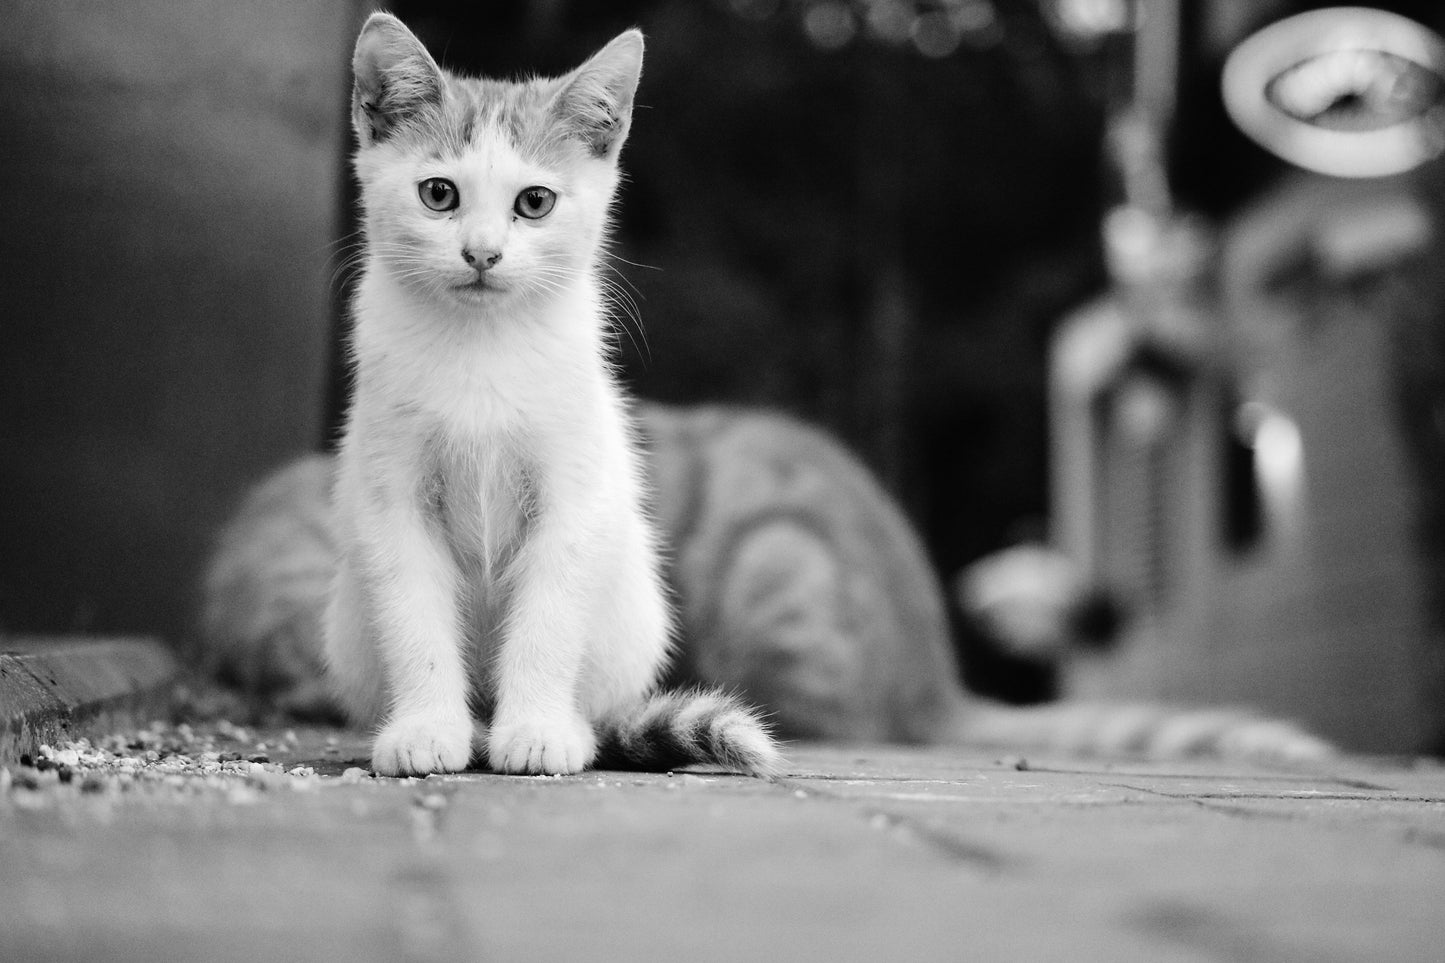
56	688
859	853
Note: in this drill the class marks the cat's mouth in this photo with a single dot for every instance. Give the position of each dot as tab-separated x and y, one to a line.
478	287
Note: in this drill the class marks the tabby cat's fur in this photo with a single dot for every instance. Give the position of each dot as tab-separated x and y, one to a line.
797	580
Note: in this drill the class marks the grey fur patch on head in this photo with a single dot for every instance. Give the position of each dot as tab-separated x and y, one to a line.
400	93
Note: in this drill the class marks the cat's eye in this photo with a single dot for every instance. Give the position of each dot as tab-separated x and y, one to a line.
535	202
438	193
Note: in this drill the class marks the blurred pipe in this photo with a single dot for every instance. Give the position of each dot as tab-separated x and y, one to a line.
1156	61
1139	125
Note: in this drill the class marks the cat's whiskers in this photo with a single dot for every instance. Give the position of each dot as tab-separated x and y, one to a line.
549	275
348	254
346	243
402	263
622	308
637	264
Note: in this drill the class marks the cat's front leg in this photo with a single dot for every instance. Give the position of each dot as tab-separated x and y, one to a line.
411	584
538	726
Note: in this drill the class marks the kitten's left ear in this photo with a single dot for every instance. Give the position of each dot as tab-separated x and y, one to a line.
395	78
595	101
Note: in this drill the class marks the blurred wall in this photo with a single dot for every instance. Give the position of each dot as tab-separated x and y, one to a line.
170	184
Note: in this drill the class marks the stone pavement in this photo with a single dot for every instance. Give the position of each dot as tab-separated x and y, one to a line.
860	853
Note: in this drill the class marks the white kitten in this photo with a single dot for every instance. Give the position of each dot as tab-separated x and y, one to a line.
496	560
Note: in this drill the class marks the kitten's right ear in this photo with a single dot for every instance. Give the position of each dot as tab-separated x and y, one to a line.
395	78
595	100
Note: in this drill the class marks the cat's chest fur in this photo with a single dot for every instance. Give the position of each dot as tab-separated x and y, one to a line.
482	409
483	496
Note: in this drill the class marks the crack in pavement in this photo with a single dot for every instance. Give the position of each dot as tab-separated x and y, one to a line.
930	836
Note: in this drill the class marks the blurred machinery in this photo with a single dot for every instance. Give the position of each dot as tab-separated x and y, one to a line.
1228	460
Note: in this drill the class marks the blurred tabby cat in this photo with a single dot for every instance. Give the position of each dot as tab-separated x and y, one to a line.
797	579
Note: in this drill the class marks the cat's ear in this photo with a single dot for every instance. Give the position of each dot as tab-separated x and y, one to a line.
394	78
595	100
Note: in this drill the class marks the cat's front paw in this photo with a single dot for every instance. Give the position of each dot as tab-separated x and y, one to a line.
420	745
550	746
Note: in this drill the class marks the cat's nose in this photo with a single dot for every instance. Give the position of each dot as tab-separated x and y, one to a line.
481	259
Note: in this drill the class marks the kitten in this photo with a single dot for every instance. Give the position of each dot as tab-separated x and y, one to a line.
495	562
799	583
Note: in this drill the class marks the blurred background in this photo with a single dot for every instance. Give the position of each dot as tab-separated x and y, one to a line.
1013	252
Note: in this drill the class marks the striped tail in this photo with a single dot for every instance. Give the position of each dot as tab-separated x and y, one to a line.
692	727
1138	730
